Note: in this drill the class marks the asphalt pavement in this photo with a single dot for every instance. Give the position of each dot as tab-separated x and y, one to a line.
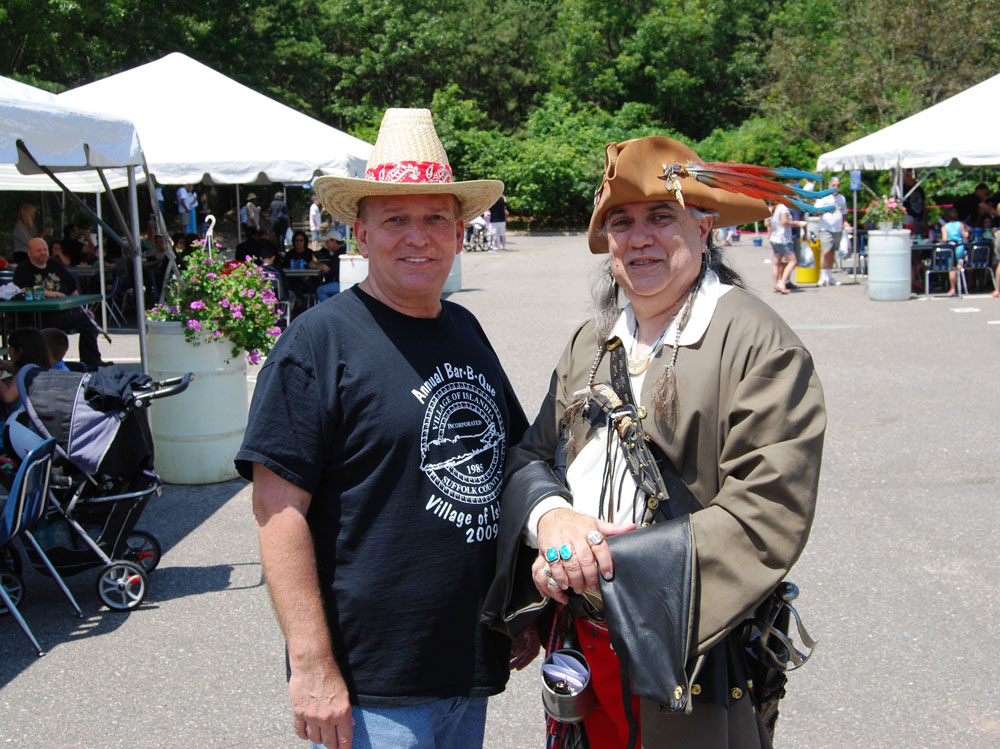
898	580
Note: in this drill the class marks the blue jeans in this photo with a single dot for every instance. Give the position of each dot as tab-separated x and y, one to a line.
327	290
453	723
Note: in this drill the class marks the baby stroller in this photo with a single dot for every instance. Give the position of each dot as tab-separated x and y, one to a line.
102	475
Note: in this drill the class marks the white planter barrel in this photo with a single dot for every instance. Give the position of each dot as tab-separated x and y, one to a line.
353	269
197	433
454	281
889	265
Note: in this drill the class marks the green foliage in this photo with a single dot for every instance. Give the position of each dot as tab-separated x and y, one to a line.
222	301
531	91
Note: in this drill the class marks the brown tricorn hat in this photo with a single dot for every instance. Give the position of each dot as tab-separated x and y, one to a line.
633	173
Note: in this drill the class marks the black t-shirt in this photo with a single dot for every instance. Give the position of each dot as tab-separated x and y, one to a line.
306	255
332	260
54	276
498	213
73	249
968	208
398	427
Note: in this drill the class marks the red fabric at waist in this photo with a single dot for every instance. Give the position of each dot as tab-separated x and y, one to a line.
606	725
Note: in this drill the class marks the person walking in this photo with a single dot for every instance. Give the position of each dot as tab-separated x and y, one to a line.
376	443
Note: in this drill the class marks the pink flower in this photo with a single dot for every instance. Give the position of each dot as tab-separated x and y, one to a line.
211	275
197	305
274	331
237	313
194	324
253	357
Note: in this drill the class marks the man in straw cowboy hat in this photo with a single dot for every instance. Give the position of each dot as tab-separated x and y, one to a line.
669	481
376	443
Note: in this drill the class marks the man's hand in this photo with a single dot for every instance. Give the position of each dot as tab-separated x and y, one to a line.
321	706
54	294
561	528
525	648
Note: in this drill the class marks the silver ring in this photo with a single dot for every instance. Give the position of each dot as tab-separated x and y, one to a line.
547	572
553	583
595	537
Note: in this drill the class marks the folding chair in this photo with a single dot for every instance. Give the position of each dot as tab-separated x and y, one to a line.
24	507
942	261
979	260
120	294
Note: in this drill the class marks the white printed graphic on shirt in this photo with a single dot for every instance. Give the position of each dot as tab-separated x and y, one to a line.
462	447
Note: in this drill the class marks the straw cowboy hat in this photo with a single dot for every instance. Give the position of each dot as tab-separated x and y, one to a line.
408	159
632	174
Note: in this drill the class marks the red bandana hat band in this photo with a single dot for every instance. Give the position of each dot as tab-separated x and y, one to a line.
410	172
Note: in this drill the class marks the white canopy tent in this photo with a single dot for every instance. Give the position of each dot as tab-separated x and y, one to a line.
41	136
234	134
58	135
960	131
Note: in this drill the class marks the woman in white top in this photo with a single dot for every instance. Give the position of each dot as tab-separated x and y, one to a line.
784	261
24	230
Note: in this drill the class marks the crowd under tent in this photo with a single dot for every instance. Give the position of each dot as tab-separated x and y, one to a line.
45	141
234	135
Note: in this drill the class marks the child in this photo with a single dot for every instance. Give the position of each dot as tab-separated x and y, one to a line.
58	344
957	233
25	346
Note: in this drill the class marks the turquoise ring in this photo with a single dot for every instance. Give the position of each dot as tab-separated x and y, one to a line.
552	555
565	551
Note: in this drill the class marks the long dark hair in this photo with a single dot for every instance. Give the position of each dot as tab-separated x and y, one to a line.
608	305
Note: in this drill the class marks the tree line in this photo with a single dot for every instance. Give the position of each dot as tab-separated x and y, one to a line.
530	91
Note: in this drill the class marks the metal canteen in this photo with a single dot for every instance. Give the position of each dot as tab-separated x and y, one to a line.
562	704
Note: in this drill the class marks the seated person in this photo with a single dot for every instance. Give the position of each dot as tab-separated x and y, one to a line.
25	346
970	208
41	270
247	247
328	261
57	343
59	254
263	246
987	227
270	266
299	257
78	246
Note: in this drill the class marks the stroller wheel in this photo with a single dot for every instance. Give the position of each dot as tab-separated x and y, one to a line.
11	559
143	549
122	585
14	587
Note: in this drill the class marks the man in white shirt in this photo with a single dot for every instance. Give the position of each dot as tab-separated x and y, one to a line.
187	200
315	219
831	227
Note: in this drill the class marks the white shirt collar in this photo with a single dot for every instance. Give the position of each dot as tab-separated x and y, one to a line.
709	293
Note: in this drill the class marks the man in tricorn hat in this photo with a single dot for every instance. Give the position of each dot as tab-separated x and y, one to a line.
669	481
376	443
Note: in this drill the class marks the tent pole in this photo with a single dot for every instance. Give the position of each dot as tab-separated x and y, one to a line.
100	267
140	297
856	239
239	223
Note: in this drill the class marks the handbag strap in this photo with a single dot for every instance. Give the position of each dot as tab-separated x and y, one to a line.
652	470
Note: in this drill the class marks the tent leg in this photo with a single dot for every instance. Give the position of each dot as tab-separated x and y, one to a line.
138	281
100	268
239	224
